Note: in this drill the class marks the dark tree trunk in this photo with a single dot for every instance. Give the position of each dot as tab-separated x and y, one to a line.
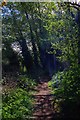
26	54
34	48
27	58
33	42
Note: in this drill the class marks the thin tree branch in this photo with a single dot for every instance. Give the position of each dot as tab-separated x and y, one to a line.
75	5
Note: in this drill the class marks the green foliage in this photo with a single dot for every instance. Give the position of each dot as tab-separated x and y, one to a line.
66	84
18	101
45	22
26	82
17	104
56	83
63	32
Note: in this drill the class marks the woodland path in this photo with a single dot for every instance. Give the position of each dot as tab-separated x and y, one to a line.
43	109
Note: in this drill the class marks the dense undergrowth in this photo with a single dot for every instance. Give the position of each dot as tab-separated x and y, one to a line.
65	86
18	102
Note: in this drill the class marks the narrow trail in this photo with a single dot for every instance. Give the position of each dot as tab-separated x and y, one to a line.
43	109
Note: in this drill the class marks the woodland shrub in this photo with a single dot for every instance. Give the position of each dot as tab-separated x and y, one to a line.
17	104
26	82
66	84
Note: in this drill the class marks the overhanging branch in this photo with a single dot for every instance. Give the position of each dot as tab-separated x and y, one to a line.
75	5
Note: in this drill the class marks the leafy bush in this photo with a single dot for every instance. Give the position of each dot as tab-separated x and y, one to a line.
17	104
56	79
66	84
26	82
56	83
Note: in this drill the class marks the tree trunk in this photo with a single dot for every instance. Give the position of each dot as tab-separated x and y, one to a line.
33	42
26	54
27	58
